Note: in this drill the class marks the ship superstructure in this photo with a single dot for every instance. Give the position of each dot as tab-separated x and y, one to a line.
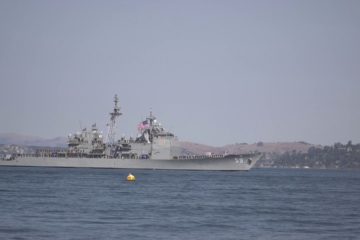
152	142
87	143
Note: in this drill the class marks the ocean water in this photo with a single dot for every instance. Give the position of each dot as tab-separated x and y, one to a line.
60	203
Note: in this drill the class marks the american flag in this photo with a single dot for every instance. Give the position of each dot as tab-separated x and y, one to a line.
143	125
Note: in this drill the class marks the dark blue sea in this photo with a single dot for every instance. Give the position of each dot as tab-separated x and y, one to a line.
60	203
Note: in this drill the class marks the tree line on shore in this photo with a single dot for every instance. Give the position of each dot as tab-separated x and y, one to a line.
346	156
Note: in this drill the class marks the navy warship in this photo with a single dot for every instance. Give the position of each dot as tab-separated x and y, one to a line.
153	148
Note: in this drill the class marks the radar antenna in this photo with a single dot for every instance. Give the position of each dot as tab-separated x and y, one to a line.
112	124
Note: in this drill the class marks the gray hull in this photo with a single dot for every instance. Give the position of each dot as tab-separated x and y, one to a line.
221	164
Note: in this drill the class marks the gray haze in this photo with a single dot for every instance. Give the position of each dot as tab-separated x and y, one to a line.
214	72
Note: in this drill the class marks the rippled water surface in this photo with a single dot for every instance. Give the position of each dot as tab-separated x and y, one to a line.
60	203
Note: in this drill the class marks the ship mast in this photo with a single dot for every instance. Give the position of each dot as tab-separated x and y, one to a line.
112	124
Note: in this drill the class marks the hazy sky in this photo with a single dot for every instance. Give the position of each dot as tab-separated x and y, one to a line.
213	72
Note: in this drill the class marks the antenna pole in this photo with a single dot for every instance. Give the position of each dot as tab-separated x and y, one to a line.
112	124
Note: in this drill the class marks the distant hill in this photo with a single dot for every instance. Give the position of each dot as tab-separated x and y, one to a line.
278	148
186	147
27	140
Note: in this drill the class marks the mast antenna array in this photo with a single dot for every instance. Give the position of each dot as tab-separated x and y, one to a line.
112	124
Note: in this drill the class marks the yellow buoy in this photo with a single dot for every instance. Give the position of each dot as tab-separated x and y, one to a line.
130	177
